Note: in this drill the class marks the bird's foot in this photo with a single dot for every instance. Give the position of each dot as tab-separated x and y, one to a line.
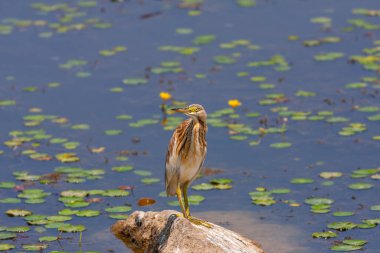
197	221
179	215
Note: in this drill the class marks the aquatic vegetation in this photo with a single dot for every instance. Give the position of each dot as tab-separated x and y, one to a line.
85	109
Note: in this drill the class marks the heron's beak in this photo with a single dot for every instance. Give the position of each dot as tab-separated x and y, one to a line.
181	110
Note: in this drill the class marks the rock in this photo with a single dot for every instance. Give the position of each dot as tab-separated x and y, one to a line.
164	232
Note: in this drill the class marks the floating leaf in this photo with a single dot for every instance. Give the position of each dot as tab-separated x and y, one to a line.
302	181
87	213
115	193
342	226
280	191
34	247
203	186
118	209
122	168
324	235
6	247
281	145
343	214
18	229
67	157
221	181
203	39
143	173
150	180
113	132
18	212
223	59
7	185
344	247
47	238
360	186
355	242
246	3
318	201
329	175
72	228
6	236
10	201
145	201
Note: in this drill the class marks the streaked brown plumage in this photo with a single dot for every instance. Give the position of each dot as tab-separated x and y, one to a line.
186	153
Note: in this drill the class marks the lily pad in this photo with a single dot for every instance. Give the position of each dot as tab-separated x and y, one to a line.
360	186
324	235
6	247
302	181
342	226
345	247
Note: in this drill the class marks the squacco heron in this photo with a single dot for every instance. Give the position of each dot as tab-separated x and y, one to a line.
186	154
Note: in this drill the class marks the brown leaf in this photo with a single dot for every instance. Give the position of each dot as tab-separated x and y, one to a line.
146	202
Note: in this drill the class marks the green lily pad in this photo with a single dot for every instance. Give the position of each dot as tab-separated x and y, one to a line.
343	214
7	102
355	85
280	191
317	201
360	186
355	242
6	247
7	185
58	218
281	145
118	209
34	247
223	59
246	3
74	193
203	39
330	175
203	186
221	181
342	226
72	228
143	173
122	168
6	236
113	132
324	235
87	213
18	212
375	208
150	180
18	229
118	216
302	181
10	201
47	238
345	247
115	193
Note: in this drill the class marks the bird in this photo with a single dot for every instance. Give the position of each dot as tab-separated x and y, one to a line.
185	157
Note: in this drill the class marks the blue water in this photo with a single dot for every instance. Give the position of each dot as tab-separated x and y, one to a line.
34	61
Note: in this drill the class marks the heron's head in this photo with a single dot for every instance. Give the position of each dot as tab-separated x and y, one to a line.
194	111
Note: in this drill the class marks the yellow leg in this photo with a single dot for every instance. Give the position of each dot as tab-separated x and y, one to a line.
187	211
179	196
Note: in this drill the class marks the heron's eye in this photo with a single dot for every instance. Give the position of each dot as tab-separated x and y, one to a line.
193	109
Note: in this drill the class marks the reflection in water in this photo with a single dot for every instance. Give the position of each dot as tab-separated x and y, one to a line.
274	238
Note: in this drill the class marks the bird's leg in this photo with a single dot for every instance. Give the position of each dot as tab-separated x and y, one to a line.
192	219
179	196
187	209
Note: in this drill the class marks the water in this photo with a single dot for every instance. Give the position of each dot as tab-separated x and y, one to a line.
29	60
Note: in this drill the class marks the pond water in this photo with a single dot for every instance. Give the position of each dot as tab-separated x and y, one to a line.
80	109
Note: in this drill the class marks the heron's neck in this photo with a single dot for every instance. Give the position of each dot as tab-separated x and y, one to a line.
201	121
